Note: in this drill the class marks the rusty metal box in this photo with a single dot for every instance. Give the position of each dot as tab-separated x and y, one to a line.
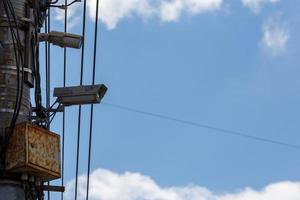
34	150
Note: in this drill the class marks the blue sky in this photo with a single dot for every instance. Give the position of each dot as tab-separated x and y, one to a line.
227	64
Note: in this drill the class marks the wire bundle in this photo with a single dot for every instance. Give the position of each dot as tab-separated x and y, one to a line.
20	65
19	60
39	17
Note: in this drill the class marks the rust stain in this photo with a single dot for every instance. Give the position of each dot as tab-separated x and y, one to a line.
34	150
16	150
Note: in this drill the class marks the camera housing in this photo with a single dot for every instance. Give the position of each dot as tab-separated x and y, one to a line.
79	95
62	39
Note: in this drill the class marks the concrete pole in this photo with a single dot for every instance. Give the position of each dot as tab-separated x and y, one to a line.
11	188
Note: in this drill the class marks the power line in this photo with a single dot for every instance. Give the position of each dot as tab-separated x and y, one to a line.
92	106
48	74
79	111
204	126
64	114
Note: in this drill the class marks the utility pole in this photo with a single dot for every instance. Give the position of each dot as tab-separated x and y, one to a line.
13	56
29	152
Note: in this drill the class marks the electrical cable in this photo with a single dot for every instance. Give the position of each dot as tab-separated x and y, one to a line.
48	66
49	110
54	2
65	6
48	80
79	111
204	126
14	38
53	114
12	124
17	63
92	106
64	115
17	46
40	111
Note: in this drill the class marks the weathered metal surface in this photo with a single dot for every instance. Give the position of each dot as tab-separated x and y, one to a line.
34	150
44	149
16	152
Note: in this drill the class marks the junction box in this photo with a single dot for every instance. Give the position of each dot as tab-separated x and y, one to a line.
35	151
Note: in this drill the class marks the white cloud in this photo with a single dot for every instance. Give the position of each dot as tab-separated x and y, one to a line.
172	10
113	12
198	6
255	5
107	185
73	16
275	36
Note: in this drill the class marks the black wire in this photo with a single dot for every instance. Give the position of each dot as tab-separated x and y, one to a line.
40	111
50	108
77	151
54	2
90	151
75	1
48	71
17	63
46	55
79	112
64	114
18	39
65	6
195	124
95	42
48	68
16	43
92	106
53	114
36	72
12	124
9	10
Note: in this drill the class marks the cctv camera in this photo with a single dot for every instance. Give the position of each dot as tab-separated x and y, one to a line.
62	39
78	95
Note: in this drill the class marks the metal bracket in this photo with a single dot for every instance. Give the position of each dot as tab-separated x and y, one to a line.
52	188
61	108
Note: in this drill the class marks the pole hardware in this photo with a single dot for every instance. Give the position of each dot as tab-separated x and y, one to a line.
52	188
